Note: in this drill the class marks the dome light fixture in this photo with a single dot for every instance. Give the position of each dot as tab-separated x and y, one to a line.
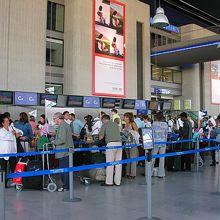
160	20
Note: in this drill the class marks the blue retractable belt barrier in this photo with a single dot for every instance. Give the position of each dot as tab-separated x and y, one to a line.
103	148
101	165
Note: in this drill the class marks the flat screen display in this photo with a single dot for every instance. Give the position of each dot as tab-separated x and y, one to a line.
153	105
167	105
91	102
6	98
25	98
108	103
147	135
75	101
49	97
140	105
128	104
61	101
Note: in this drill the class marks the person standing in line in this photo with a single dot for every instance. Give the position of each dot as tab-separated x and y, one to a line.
43	125
63	139
160	130
111	133
8	145
171	123
138	120
114	113
33	124
76	126
24	125
66	115
185	134
131	131
146	121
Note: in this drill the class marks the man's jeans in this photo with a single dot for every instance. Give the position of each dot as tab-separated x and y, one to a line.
64	163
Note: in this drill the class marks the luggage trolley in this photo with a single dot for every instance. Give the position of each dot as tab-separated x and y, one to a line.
51	186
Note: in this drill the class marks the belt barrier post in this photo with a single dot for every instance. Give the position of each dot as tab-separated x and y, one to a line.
197	155
71	197
2	195
149	187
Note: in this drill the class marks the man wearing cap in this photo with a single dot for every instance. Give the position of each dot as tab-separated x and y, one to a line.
63	140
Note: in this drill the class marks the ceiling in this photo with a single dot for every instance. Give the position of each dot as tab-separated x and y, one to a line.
194	51
182	12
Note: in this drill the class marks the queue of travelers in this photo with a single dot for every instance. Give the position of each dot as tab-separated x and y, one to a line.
104	130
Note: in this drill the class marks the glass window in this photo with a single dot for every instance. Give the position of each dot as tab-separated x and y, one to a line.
156	73
167	75
54	52
53	88
177	76
55	17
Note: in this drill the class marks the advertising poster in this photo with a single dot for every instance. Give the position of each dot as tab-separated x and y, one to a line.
187	104
215	82
176	105
108	48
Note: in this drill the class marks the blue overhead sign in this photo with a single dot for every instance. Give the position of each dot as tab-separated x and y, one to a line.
91	102
25	98
140	105
162	91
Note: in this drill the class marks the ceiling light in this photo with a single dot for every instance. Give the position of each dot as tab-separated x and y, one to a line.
160	20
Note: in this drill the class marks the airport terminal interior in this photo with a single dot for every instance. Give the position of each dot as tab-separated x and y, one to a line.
109	109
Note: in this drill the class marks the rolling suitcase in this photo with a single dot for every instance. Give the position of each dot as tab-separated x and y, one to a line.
33	182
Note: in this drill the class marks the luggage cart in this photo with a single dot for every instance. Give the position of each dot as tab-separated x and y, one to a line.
51	186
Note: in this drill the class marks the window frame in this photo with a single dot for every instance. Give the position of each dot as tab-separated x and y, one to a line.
62	52
56	84
63	17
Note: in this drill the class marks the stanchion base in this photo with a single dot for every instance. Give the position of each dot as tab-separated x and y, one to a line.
144	184
146	218
72	200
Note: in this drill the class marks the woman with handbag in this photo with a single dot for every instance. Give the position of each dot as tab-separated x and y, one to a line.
131	131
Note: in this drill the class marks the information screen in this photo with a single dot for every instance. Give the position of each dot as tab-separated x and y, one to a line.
167	105
49	97
108	103
147	135
75	101
153	105
128	104
6	98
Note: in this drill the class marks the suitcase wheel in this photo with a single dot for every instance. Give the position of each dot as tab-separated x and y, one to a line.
52	187
19	188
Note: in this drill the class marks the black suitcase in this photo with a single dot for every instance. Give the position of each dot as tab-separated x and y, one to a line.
173	163
33	182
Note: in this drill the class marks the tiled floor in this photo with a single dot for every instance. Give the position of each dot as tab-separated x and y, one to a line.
182	196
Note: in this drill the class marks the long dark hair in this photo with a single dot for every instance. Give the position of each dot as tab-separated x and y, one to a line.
130	116
23	117
2	119
89	122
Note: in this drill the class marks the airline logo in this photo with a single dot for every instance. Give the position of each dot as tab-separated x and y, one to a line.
91	102
25	98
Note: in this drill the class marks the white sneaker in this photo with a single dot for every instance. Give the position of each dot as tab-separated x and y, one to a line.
60	189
